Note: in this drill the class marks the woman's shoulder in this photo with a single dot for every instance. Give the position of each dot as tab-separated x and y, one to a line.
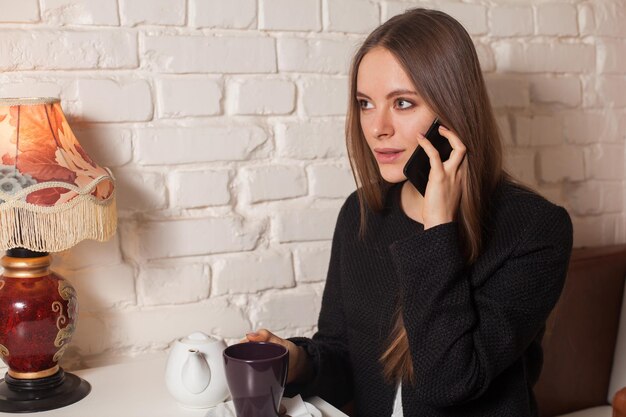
349	211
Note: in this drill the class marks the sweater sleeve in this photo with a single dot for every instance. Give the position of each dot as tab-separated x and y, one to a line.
328	348
463	336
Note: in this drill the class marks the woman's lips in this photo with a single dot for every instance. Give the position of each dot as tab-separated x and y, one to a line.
387	155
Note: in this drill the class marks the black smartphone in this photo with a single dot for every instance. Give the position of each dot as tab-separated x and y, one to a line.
417	168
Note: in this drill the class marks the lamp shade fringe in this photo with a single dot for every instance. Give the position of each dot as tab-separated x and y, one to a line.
57	228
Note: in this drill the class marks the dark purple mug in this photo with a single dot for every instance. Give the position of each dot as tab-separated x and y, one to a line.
256	373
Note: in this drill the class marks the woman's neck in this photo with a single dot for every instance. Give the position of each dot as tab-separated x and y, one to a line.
411	202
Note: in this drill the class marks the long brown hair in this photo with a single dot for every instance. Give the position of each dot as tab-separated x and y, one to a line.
440	59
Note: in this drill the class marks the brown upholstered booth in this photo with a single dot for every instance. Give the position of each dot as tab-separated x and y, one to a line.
580	339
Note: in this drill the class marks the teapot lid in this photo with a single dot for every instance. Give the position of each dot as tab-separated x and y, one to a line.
199	338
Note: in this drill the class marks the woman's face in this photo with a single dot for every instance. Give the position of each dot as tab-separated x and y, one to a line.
392	112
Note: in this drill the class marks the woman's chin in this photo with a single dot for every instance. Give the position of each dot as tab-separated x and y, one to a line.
393	176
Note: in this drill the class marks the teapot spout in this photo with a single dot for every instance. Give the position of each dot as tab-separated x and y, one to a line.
196	373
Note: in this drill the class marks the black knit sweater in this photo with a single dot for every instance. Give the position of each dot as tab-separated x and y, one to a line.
474	332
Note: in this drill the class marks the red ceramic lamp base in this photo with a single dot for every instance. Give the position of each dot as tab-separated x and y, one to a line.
33	395
38	312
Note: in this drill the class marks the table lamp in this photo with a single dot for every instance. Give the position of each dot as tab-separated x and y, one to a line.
52	196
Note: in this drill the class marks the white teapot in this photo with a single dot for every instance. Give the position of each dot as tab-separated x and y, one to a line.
194	373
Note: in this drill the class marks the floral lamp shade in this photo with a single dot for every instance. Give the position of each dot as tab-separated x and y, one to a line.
52	194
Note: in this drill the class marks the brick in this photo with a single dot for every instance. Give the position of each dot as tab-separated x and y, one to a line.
233	14
558	19
155	12
303	15
325	96
508	91
274	183
612	90
209	54
604	18
331	181
157	328
22	11
199	188
292	308
611	56
546	130
561	163
173	284
330	56
114	101
604	162
562	90
28	87
356	16
189	96
536	57
621	128
310	139
87	339
586	20
53	50
584	198
251	273
485	57
305	224
612	197
521	164
620	228
171	145
262	96
584	127
103	288
590	95
202	236
109	146
522	130
389	9
311	262
80	12
472	16
511	20
89	253
139	190
504	127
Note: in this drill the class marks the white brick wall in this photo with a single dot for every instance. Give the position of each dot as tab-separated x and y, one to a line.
262	96
189	96
85	12
223	122
235	14
23	11
273	183
302	15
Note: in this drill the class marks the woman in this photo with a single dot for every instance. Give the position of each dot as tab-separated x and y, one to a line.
434	305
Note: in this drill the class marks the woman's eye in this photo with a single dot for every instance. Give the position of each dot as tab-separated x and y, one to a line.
403	104
364	104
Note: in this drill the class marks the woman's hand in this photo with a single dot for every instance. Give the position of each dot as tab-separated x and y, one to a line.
443	193
300	366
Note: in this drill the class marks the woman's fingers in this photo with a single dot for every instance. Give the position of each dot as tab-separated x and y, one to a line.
295	358
433	154
264	335
458	148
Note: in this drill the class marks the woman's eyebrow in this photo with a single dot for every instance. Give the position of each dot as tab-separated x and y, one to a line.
394	93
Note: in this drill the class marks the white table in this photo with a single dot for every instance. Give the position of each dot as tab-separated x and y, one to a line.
136	389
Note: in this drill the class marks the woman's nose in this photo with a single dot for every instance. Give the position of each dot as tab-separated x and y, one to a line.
382	125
